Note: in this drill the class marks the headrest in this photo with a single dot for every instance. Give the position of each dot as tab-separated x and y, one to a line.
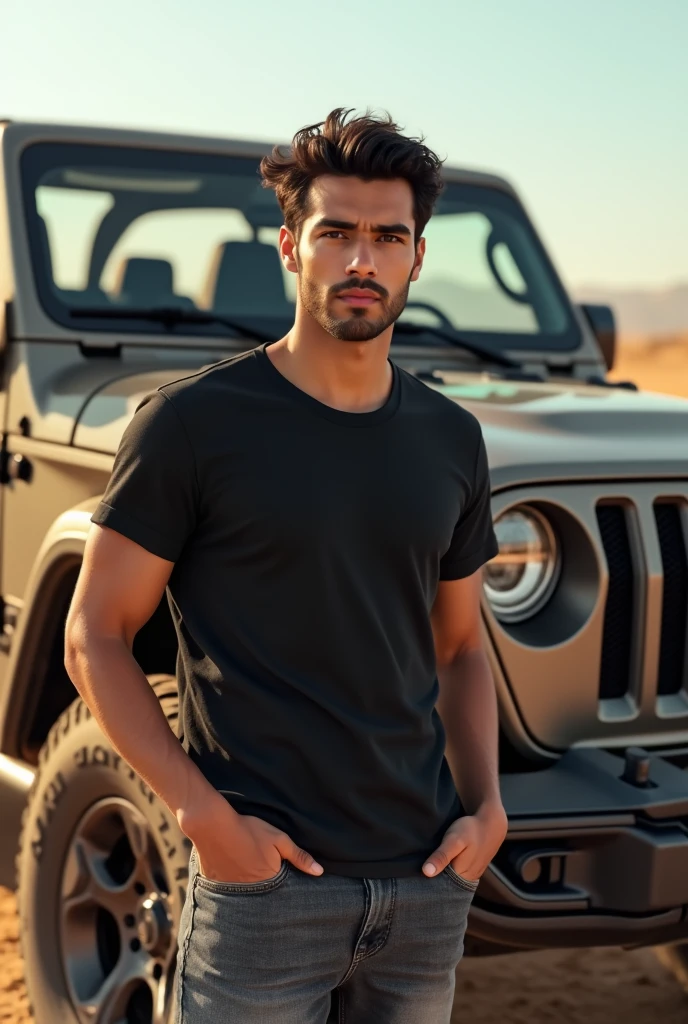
245	279
143	281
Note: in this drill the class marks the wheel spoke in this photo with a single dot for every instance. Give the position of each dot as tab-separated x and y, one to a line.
77	885
145	874
109	1004
140	843
137	832
170	954
161	1001
163	988
86	881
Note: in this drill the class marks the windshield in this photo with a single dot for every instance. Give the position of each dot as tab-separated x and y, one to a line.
117	228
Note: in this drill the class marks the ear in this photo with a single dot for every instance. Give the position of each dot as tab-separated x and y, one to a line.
418	263
287	250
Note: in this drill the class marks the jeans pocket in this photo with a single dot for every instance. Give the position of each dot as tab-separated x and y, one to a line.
467	884
266	885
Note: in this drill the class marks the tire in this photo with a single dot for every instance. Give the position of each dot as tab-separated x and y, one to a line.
102	871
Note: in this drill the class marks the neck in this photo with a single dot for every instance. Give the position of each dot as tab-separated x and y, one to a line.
352	376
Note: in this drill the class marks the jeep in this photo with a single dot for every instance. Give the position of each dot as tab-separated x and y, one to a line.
129	259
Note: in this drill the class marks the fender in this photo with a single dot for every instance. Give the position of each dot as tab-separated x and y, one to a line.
62	549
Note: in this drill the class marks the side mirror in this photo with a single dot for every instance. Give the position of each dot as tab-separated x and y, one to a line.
603	324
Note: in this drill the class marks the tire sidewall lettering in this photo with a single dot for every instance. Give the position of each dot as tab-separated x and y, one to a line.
98	756
52	794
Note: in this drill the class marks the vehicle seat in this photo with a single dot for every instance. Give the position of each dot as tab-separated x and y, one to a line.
244	280
145	283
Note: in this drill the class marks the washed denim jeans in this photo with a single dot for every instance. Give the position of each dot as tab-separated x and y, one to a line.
300	949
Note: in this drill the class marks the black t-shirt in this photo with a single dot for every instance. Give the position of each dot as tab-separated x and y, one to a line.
308	543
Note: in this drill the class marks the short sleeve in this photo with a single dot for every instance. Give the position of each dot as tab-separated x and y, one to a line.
151	496
474	541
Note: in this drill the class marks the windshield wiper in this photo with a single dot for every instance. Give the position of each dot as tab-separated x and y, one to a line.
174	316
171	316
474	347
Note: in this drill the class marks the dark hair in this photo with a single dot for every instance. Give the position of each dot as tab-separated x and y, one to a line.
367	147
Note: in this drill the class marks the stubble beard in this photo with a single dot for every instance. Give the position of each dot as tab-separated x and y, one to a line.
358	326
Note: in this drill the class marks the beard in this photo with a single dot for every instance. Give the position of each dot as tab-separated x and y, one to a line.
358	325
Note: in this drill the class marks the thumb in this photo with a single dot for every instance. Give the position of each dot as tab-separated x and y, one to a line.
445	852
298	857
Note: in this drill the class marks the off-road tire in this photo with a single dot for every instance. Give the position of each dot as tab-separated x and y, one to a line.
78	769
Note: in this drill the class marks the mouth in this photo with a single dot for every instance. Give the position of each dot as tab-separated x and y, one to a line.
358	297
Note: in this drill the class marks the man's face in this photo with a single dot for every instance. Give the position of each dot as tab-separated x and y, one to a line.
356	254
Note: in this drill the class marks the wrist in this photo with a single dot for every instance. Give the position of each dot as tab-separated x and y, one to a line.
200	812
492	811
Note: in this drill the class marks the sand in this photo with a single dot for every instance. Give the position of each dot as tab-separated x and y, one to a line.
14	1004
658	364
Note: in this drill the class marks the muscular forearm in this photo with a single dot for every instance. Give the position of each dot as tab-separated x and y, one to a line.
121	700
467	705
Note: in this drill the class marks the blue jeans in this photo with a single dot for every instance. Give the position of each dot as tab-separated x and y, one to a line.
301	949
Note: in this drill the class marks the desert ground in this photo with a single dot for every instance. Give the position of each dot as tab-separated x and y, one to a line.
598	986
655	364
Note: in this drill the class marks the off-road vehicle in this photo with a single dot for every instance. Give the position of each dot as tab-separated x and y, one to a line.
129	259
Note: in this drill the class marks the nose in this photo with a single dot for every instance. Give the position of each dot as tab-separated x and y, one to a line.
362	262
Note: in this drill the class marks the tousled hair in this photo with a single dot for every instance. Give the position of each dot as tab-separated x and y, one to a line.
368	147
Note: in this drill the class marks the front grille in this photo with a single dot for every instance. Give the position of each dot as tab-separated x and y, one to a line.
605	661
623	614
615	660
672	651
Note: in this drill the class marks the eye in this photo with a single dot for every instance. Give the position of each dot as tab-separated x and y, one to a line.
333	233
390	238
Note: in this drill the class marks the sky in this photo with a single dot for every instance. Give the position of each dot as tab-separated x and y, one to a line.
581	104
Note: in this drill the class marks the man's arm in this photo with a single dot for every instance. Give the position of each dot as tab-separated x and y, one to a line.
119	587
467	705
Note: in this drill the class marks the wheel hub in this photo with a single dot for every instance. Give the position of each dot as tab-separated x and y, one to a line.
153	925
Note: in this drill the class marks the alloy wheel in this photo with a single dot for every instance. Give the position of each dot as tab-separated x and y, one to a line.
118	943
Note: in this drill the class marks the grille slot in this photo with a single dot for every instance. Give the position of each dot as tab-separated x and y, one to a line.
672	651
615	663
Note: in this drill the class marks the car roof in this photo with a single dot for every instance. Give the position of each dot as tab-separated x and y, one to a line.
35	131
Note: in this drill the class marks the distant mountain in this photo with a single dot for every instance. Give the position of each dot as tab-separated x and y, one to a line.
642	311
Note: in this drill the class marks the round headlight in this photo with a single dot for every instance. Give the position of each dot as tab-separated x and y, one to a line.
519	580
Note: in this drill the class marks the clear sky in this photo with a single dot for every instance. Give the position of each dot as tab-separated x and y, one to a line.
583	104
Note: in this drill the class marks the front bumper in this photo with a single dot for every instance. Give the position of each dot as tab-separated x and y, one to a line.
589	859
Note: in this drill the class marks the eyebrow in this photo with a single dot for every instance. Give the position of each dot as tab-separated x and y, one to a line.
378	229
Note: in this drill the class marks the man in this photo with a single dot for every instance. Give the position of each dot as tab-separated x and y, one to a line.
320	518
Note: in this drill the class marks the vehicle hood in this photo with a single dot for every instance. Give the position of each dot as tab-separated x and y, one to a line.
537	430
531	429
